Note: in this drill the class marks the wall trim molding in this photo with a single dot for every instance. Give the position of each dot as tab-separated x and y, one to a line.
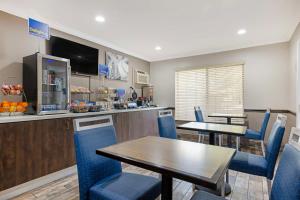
272	111
33	184
262	110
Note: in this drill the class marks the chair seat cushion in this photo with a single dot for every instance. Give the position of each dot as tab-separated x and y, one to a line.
201	195
254	135
249	163
126	186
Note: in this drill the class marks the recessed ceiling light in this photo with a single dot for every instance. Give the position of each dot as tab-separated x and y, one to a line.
242	32
157	48
100	19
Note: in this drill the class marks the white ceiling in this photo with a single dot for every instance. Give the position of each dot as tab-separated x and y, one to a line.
180	27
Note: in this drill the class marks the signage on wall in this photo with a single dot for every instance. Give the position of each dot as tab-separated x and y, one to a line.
38	29
103	70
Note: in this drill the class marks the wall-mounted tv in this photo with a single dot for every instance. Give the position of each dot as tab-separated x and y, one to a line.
84	59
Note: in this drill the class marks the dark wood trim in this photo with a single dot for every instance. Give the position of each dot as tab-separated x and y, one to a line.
272	111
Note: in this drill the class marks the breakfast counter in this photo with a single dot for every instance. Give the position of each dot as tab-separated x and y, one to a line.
23	118
33	146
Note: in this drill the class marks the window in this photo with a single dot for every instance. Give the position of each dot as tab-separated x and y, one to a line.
214	89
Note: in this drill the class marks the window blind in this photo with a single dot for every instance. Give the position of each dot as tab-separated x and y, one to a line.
214	89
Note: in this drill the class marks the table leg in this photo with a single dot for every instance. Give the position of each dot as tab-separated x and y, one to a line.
166	187
229	142
212	138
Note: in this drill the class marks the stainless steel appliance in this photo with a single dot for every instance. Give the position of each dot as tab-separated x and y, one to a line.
46	81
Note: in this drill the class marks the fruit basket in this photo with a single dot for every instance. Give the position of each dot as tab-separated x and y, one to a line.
12	108
79	109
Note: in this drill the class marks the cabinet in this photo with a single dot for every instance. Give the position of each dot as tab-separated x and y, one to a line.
29	150
32	149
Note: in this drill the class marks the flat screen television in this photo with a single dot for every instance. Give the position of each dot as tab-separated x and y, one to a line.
83	59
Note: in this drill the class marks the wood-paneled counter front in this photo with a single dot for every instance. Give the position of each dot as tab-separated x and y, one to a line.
30	149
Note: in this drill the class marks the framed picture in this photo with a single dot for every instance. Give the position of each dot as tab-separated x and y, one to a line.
118	66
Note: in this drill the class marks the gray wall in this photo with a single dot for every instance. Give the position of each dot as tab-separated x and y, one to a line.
15	42
294	72
266	74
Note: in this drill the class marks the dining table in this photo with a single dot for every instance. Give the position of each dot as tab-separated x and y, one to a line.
228	117
197	163
212	129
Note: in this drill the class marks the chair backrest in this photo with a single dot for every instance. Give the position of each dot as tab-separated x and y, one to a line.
286	184
166	124
198	114
91	134
265	124
274	143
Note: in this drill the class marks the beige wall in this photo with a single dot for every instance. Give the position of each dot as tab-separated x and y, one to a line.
15	42
293	72
255	120
266	74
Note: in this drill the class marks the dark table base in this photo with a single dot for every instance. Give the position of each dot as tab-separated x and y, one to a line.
166	187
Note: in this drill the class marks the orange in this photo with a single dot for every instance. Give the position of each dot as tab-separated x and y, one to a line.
5	104
5	109
24	104
13	104
20	109
12	109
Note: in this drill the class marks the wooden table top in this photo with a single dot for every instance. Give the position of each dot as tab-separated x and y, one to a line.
214	128
194	162
228	115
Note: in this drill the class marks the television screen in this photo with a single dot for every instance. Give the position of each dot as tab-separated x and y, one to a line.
83	59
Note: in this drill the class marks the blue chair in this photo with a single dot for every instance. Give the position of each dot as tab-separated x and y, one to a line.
166	124
100	177
199	118
259	135
262	165
286	185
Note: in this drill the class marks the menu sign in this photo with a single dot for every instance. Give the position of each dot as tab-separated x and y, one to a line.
38	29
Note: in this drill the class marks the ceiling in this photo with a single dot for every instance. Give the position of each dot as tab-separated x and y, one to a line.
181	27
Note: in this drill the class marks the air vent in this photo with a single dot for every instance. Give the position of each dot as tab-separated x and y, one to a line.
141	77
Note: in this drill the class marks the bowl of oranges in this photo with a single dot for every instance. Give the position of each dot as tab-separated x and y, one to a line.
12	108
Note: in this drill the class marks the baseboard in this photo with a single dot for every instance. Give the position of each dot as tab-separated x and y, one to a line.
30	185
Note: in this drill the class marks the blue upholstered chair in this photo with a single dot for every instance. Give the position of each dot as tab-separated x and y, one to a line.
286	184
166	124
262	165
101	177
199	118
259	135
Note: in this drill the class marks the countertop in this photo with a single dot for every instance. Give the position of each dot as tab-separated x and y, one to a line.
10	119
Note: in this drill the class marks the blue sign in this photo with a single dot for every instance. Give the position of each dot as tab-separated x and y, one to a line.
103	70
38	29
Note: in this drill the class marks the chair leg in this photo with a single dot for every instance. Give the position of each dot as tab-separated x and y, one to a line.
194	187
220	139
269	183
237	143
263	147
199	138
